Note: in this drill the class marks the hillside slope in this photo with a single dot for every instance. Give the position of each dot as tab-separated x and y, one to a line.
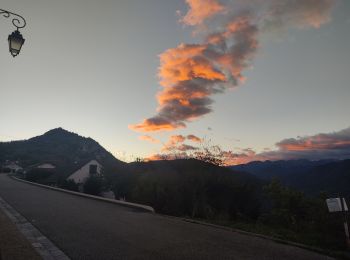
59	147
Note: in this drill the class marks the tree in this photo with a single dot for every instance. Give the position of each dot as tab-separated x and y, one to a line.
210	154
289	208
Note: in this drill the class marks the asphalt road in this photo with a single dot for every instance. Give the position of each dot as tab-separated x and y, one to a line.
88	229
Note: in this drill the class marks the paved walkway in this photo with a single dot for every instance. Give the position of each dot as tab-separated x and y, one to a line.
89	229
13	245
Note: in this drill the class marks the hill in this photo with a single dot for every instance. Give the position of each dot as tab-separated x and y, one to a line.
190	187
59	147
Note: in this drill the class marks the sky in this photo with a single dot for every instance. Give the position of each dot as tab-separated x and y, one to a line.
261	80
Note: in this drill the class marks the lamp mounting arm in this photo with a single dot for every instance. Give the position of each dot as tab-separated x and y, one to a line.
17	20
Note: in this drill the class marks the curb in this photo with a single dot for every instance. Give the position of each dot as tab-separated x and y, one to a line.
40	243
118	202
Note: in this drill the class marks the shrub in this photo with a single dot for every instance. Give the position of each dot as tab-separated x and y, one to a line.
93	185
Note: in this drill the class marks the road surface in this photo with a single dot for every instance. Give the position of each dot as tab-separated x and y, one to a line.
89	229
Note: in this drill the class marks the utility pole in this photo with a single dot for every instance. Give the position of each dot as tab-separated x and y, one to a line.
345	220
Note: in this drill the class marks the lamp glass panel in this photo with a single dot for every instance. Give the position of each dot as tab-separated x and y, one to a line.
16	44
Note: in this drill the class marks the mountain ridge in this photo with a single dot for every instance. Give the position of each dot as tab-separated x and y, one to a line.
312	177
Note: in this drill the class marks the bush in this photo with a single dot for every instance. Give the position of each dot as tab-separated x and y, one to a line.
301	218
93	185
69	185
38	175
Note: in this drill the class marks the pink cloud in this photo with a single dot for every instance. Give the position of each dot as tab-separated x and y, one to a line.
148	139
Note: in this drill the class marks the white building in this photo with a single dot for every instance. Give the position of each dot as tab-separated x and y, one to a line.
14	167
91	168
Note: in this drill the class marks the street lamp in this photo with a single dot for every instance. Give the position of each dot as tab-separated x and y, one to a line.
15	43
15	39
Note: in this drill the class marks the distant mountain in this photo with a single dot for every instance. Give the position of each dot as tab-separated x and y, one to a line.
312	177
332	178
281	169
59	147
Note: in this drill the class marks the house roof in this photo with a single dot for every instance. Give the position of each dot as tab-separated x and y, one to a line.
81	165
13	165
38	164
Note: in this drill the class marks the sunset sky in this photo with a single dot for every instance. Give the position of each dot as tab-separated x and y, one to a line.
262	79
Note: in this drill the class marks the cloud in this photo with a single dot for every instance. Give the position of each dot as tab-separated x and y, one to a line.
335	145
186	147
331	141
191	74
148	138
300	14
175	143
201	10
194	138
156	123
175	139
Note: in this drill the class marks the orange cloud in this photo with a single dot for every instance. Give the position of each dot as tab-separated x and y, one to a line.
155	124
148	138
172	143
186	62
175	143
191	74
200	10
175	139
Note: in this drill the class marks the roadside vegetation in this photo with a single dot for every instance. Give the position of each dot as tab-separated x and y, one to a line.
204	191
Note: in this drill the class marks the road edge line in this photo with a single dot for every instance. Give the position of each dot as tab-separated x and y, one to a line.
118	202
41	244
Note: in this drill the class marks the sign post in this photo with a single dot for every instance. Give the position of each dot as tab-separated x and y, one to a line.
337	205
